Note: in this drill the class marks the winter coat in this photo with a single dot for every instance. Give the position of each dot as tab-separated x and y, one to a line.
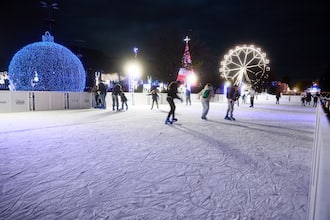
232	93
172	91
210	92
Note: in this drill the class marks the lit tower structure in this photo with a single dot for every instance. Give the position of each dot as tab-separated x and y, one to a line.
186	72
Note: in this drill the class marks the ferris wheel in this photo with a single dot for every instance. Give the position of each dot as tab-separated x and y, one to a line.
245	64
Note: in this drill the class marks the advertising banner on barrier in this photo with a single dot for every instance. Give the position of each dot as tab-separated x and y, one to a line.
86	100
5	101
20	101
74	100
57	101
41	101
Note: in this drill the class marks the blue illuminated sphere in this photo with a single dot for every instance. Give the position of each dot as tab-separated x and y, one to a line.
46	66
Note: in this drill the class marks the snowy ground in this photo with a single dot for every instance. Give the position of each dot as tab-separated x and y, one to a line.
99	164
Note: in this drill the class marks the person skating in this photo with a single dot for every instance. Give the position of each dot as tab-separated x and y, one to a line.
154	97
172	91
252	93
231	98
207	93
278	96
123	100
102	89
188	96
115	93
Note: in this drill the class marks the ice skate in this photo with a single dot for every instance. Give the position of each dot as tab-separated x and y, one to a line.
168	121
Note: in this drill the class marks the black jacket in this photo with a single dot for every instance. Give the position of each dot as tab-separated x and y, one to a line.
172	90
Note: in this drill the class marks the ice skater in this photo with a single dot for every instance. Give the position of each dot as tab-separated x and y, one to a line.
102	89
278	96
315	99
207	93
188	94
154	97
115	92
252	93
231	98
308	98
172	91
123	100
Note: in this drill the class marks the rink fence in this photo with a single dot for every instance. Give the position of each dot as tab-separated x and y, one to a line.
319	200
20	101
325	101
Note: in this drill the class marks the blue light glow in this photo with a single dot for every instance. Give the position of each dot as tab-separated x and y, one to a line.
57	68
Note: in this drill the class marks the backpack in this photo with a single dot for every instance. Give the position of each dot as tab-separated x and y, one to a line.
206	93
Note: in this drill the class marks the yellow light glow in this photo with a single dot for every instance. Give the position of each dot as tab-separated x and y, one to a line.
192	79
134	69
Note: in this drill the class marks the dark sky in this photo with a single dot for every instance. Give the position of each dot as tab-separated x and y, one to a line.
294	34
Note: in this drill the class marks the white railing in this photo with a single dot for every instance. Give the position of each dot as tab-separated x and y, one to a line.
21	101
319	194
326	103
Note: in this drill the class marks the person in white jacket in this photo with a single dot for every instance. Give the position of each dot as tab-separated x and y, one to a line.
206	94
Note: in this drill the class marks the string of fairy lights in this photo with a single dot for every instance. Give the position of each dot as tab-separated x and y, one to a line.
46	66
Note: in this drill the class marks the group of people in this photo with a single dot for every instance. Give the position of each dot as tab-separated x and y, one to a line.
307	97
172	93
232	95
100	91
205	95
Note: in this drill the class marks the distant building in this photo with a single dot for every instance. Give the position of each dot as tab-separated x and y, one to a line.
281	87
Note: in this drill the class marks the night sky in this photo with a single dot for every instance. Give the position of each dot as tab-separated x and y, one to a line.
294	34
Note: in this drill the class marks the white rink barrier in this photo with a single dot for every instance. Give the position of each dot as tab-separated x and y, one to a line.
18	101
21	101
145	99
319	201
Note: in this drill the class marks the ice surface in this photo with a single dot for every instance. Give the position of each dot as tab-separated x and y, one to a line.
100	164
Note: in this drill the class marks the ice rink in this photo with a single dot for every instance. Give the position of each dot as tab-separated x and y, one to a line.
99	164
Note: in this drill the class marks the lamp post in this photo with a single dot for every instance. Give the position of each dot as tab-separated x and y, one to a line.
133	71
135	49
50	21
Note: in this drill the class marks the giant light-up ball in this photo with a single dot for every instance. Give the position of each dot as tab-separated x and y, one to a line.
46	66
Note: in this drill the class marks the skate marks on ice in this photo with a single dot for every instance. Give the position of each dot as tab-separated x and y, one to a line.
120	168
260	182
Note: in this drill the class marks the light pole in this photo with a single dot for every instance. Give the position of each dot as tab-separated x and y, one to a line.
49	6
135	49
133	71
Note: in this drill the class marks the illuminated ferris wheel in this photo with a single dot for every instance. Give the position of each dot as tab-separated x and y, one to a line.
245	64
